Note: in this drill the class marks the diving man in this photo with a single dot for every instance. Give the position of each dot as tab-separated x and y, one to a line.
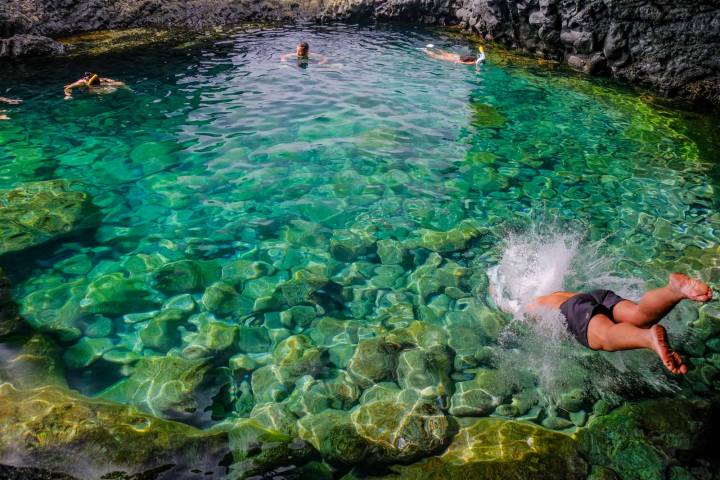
601	320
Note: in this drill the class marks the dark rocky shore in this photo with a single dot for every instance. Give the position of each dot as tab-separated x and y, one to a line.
668	46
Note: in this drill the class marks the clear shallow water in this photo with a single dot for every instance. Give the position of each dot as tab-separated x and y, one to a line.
221	152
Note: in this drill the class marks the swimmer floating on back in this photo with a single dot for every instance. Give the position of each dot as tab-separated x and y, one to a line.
602	320
465	59
302	54
9	101
93	83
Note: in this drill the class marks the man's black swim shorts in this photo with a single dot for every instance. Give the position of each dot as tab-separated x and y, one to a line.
578	311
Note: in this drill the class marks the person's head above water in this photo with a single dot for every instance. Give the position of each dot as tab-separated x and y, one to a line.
91	78
303	50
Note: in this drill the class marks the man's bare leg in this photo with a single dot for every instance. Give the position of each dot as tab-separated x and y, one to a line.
655	304
604	334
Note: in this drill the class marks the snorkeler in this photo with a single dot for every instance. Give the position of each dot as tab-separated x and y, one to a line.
9	101
601	320
302	54
465	59
93	82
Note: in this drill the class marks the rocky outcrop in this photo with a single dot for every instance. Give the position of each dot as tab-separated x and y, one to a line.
46	427
30	46
670	46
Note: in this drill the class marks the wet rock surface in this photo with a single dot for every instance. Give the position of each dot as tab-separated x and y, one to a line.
19	46
667	46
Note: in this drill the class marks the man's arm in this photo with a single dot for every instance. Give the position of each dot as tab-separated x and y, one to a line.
287	56
112	83
440	54
69	88
10	101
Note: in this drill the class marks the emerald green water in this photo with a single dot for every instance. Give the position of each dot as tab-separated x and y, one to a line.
221	153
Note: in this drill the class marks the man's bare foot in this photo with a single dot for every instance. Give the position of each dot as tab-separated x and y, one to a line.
690	288
661	346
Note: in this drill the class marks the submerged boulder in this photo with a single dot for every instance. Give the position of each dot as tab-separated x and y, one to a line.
401	427
496	449
258	450
640	441
62	431
10	319
37	212
374	360
334	435
165	386
31	362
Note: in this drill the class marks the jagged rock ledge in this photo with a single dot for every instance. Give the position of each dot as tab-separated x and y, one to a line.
669	46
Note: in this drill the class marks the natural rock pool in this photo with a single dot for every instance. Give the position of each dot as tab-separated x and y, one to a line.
296	261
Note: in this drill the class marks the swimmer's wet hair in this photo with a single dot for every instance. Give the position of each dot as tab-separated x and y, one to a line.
468	58
304	45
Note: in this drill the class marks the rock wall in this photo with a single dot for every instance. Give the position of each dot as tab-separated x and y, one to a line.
672	46
667	45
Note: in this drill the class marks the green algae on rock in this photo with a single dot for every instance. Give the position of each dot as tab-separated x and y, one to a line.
496	449
640	441
32	362
47	426
165	386
258	450
34	213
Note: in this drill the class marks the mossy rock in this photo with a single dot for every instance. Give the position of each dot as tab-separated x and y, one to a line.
297	356
481	395
639	441
37	212
212	337
161	332
375	360
115	294
32	362
427	371
333	434
486	116
86	352
497	449
46	427
223	300
258	450
401	428
275	416
165	386
186	276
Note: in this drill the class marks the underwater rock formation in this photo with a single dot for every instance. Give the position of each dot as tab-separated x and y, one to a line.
643	441
47	426
666	45
10	319
37	212
492	448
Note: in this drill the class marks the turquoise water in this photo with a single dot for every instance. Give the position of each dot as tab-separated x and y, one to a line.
334	177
